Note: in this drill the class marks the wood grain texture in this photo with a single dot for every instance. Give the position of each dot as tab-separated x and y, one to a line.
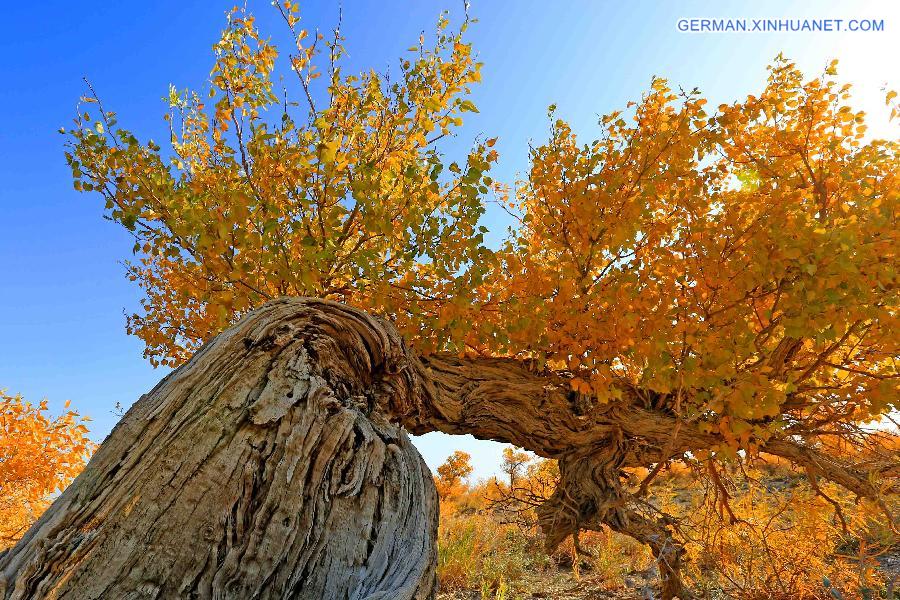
259	469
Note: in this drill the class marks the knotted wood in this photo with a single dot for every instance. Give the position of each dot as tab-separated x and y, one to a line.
259	469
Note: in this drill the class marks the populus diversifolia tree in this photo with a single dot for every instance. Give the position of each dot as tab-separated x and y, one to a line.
695	284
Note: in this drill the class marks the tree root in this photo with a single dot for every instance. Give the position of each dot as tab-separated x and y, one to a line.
590	496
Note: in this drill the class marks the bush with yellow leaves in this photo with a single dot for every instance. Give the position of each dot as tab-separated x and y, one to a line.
39	456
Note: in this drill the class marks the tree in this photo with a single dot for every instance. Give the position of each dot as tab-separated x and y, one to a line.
514	464
39	455
452	473
696	286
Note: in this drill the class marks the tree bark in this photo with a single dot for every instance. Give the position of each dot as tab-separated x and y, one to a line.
260	469
273	465
590	495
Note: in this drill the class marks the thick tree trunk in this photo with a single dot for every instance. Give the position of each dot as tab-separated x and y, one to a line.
268	467
260	469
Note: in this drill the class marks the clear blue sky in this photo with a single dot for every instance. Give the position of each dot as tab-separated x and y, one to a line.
62	290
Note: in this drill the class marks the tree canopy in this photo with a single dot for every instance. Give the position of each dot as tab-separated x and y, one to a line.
343	198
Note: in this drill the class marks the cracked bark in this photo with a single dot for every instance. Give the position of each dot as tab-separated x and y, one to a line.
273	465
257	470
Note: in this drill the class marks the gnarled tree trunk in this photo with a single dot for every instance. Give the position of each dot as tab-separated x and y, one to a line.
272	465
260	469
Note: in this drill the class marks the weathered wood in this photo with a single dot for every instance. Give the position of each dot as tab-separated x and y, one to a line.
257	470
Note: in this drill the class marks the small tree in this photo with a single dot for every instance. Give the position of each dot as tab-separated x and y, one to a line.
513	465
452	474
39	455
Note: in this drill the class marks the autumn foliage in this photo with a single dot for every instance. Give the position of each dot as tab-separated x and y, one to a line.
452	474
343	198
39	456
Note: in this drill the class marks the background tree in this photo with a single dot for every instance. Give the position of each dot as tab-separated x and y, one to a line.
453	473
514	464
689	286
39	455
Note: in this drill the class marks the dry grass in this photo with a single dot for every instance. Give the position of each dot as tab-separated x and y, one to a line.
478	552
786	544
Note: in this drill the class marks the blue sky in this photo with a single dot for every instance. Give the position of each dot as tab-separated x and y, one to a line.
62	291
